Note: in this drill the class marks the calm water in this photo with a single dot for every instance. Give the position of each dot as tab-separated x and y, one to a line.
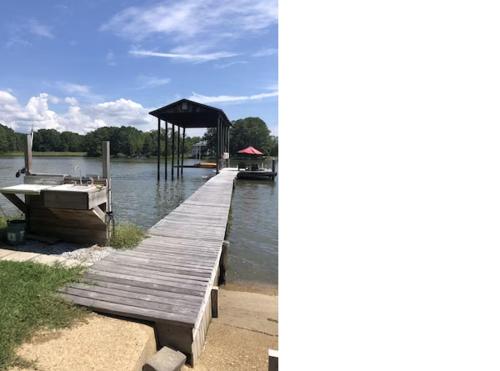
138	198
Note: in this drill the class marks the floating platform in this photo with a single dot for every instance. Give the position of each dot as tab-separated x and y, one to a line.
257	174
169	278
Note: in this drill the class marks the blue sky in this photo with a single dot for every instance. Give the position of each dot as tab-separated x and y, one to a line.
79	65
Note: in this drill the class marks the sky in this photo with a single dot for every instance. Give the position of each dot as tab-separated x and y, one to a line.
81	65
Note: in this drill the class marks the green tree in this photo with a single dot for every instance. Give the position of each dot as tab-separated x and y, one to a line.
250	131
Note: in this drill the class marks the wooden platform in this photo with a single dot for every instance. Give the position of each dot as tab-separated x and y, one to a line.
169	277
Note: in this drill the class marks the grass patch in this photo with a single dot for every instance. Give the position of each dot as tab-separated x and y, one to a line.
126	236
28	303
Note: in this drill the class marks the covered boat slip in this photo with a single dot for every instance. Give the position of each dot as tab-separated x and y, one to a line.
169	278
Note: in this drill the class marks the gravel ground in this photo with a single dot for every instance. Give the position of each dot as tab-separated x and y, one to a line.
86	255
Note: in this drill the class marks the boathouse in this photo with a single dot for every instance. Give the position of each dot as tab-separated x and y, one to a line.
188	114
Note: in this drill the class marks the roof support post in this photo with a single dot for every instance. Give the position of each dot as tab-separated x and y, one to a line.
158	150
178	148
173	153
182	153
166	150
217	154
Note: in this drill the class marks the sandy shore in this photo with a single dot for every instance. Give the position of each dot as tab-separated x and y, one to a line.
246	328
238	340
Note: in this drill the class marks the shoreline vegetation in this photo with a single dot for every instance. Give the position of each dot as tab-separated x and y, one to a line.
129	142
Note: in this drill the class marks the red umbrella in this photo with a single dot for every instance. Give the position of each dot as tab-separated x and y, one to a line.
250	151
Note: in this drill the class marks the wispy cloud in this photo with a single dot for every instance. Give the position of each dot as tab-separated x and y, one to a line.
21	32
146	82
193	30
230	98
39	29
190	18
72	88
197	58
83	92
265	52
229	64
110	58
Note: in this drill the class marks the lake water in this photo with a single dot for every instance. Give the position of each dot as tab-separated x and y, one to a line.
138	198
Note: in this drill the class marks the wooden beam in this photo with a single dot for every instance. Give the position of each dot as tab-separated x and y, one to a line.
99	213
173	153
158	146
182	161
16	201
166	150
28	154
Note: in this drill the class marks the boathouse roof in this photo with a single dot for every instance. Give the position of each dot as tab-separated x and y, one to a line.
189	114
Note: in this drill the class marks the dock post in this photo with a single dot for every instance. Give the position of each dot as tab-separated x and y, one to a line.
182	159
166	152
214	300
158	151
173	153
272	360
178	148
106	171
106	174
28	153
274	168
223	262
217	153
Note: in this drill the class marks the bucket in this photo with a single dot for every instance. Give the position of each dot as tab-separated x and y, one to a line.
15	231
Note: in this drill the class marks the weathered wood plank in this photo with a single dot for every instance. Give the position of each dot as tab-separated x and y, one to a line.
168	278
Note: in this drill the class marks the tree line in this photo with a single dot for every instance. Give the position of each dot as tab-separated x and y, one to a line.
130	142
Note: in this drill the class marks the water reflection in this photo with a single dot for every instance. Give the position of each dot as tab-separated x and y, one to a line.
138	198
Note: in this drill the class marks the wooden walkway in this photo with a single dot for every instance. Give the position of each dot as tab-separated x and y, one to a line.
168	278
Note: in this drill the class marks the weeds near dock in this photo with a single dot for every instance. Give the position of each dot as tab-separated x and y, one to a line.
29	303
126	236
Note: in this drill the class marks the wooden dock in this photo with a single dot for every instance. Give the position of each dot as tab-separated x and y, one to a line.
169	278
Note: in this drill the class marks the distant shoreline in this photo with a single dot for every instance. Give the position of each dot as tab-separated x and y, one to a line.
45	154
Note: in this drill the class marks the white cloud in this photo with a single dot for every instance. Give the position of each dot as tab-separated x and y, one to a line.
72	101
146	82
229	64
39	29
21	31
38	114
230	98
186	57
72	88
110	58
265	52
190	18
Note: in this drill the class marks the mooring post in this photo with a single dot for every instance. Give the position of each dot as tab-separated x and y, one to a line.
182	160
223	262
106	171
274	168
28	153
214	300
173	153
273	359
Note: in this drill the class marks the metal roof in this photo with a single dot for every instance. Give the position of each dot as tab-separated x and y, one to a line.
189	114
